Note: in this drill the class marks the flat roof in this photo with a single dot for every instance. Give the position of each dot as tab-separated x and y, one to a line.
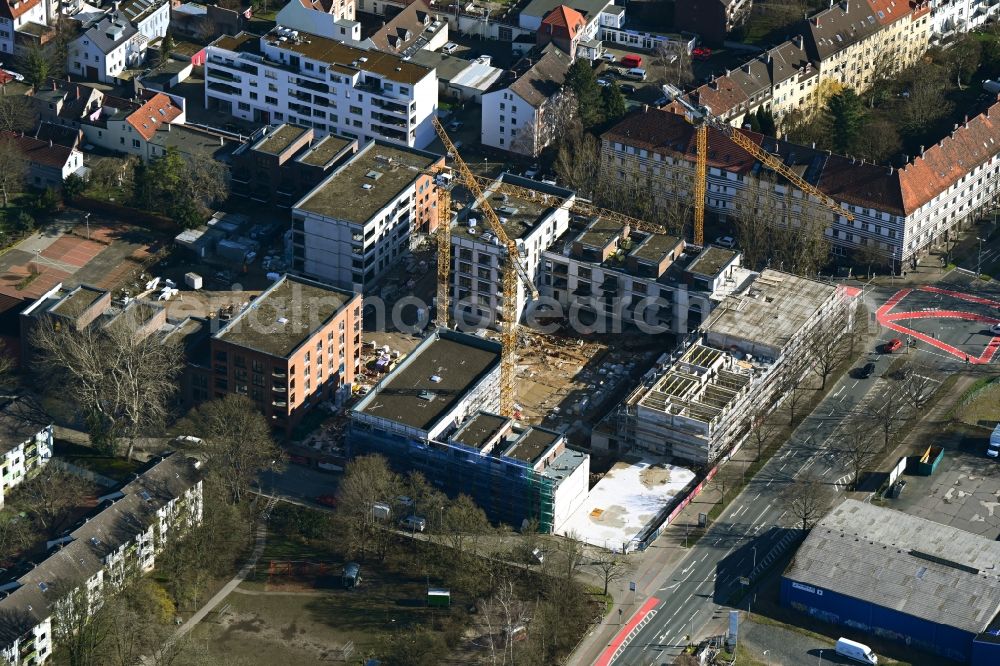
711	261
771	309
276	142
909	564
348	59
532	444
480	429
77	301
599	233
626	500
386	170
518	216
411	396
325	150
284	316
655	247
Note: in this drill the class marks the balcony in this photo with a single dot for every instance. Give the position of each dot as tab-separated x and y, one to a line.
388	120
239	178
279	389
223	75
389	132
315	86
280	404
279	374
391	107
223	88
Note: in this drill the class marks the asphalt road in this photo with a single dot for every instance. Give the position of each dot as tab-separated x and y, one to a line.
749	532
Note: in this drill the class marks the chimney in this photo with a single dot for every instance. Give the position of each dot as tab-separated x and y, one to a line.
814	145
78	92
50	143
966	124
645	108
891	170
797	39
222	140
53	84
921	150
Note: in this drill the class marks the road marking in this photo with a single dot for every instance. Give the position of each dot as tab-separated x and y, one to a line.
761	515
782	468
757	497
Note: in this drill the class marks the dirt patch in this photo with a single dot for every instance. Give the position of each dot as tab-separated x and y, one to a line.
654	476
982	408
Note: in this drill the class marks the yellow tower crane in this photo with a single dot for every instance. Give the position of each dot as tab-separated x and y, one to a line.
512	269
702	118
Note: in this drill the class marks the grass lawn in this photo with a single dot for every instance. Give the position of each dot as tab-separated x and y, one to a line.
118	469
980	406
301	614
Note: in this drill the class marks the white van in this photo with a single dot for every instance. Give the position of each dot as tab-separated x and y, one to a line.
637	73
414	523
856	651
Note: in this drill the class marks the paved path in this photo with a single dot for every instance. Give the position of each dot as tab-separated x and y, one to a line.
237	579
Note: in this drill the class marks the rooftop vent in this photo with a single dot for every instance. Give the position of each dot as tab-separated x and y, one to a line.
282	320
436	379
374	175
366	186
426	395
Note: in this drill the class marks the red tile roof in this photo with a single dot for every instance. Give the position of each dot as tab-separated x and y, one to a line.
943	164
12	9
38	151
159	109
563	20
895	191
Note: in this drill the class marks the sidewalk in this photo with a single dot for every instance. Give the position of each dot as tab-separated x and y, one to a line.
236	580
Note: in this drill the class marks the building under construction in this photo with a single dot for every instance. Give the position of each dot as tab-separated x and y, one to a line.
436	413
700	401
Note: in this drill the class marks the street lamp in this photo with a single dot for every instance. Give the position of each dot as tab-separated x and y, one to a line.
86	218
820	658
979	260
765	658
754	549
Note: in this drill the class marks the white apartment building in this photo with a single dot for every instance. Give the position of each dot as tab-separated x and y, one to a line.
294	77
900	212
606	281
479	258
514	109
333	19
133	525
699	402
357	224
118	39
954	17
26	447
15	14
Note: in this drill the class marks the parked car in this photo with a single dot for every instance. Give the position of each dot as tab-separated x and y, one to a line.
14	75
995	329
867	371
701	53
856	651
993	450
892	345
608	57
725	241
455	125
414	523
532	171
628	89
603	82
327	500
450	47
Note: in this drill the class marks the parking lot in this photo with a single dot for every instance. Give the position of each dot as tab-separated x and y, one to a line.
964	493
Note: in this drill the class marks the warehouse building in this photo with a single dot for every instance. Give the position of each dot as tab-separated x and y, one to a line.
899	577
436	413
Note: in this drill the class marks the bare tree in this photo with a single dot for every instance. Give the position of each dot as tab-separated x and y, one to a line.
761	430
122	375
80	624
51	497
825	347
858	449
367	481
884	414
17	114
13	168
238	443
569	556
917	388
805	500
502	613
578	161
465	524
671	63
612	567
789	384
15	534
555	120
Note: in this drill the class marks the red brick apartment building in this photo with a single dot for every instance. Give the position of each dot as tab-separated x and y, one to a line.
296	345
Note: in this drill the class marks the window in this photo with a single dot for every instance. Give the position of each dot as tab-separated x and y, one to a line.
243	106
135	143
